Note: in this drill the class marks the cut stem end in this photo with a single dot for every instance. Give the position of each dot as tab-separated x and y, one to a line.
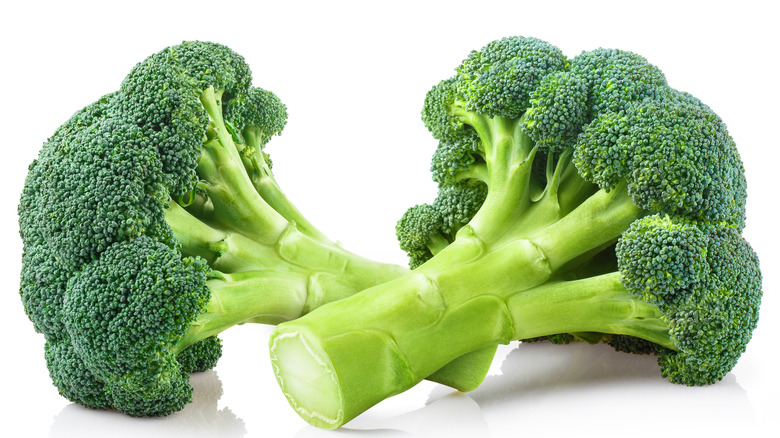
307	380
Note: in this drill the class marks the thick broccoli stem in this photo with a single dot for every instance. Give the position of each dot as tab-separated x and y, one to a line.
402	331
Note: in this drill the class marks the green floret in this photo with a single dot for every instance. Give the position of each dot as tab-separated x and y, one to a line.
613	211
258	114
707	285
634	148
498	79
113	314
558	111
455	161
615	78
630	344
425	229
151	222
457	204
161	97
418	232
200	356
661	258
437	114
72	378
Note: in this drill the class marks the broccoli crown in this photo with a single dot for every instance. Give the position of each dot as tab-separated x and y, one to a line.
103	276
707	284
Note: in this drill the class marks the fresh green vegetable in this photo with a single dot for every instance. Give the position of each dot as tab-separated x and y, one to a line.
579	198
151	222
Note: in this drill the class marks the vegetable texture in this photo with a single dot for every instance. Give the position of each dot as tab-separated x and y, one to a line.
579	198
151	222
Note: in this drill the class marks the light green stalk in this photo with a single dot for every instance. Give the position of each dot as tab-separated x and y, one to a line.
500	280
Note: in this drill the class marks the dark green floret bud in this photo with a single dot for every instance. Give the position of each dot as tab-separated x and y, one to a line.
596	154
713	324
417	230
201	356
160	97
258	111
438	117
73	379
453	159
631	344
660	258
676	155
125	313
498	79
616	78
457	204
558	111
213	65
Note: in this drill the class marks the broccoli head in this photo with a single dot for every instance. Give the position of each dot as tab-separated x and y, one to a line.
151	221
612	211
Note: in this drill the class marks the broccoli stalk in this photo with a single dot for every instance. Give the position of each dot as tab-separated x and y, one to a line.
613	212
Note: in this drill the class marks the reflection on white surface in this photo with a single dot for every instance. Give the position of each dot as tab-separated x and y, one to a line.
201	418
452	415
535	374
540	389
571	390
535	389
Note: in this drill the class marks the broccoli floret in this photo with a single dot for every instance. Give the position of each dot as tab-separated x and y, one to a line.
613	213
425	229
151	222
114	306
419	231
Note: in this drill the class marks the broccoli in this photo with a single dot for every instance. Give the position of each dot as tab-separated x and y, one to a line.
151	222
579	198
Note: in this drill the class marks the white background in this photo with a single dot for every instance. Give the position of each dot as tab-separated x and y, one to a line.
355	155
